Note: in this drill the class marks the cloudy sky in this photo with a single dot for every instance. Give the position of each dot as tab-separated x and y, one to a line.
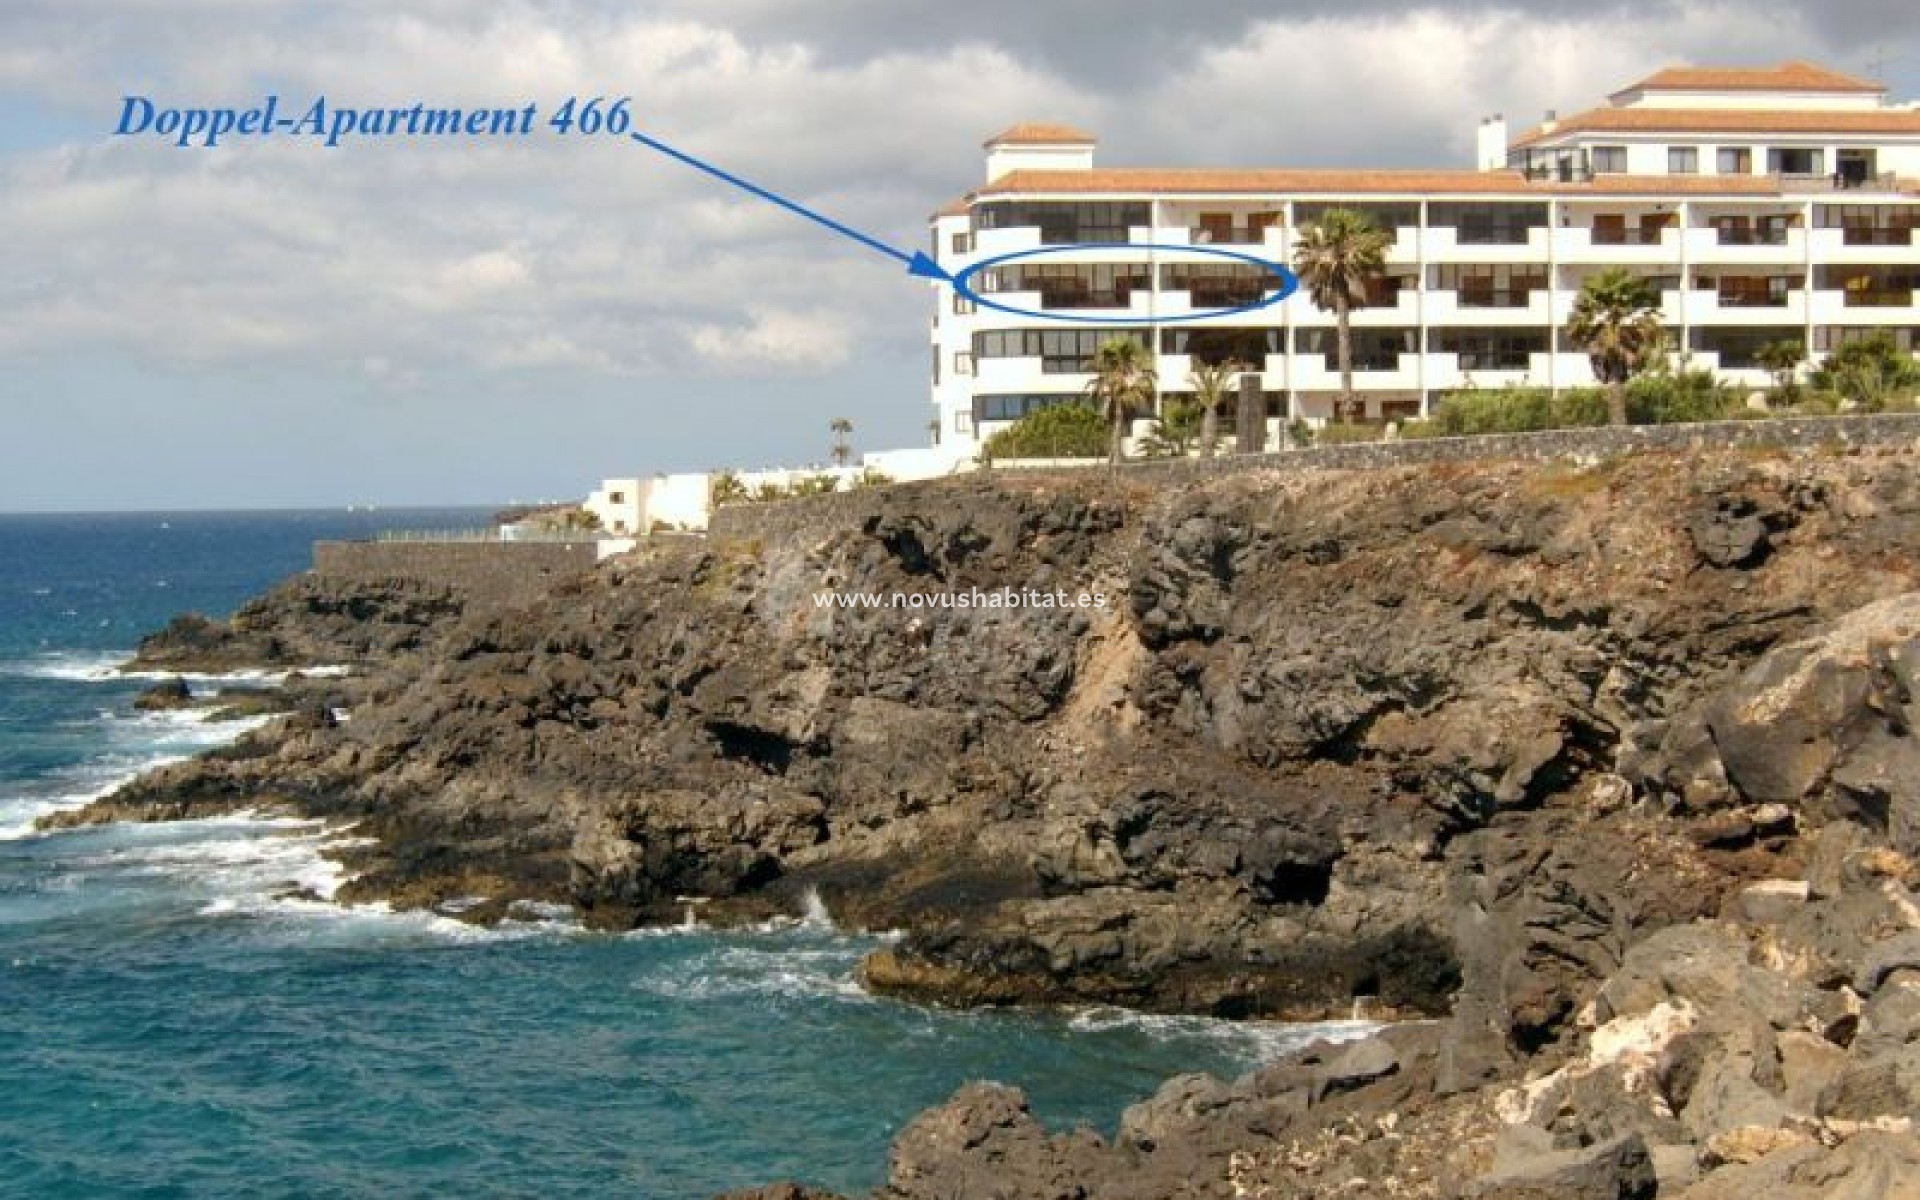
277	323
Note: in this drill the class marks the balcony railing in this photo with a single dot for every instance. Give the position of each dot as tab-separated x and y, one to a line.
1752	299
1884	181
1735	236
1881	298
1227	235
1494	361
1871	235
1605	236
1365	362
1498	298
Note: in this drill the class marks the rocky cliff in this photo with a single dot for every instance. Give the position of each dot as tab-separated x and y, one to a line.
1609	768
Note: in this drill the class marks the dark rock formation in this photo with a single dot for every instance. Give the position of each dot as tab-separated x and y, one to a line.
1457	740
169	694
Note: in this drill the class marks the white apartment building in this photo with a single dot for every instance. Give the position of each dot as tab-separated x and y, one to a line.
1765	204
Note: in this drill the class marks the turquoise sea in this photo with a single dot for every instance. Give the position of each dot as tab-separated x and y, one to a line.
169	1028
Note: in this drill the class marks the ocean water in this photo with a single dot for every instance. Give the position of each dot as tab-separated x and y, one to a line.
169	1027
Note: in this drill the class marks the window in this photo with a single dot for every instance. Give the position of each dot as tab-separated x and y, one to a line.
1795	161
1386	215
962	305
616	497
1683	160
936	366
1216	346
1060	351
1735	160
1870	286
1485	224
1099	285
1739	349
1491	286
1012	408
1492	349
1609	160
962	362
963	422
1219	285
1373	349
1065	223
963	243
1871	224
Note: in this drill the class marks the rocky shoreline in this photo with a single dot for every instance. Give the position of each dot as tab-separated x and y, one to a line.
1607	771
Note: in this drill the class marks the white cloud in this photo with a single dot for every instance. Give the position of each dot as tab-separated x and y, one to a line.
602	255
774	339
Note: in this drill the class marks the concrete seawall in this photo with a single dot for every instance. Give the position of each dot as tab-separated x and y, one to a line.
485	574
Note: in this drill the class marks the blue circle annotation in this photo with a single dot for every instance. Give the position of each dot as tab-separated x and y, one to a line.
1287	284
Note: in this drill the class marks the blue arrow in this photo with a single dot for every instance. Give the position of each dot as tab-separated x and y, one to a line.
918	263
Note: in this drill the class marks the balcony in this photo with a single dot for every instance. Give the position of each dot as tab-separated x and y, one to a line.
1877	306
1228	235
1707	244
1446	370
1863	235
1610	246
1403	309
1860	244
1738	236
1371	372
1882	181
1504	306
1879	298
1747	308
1446	243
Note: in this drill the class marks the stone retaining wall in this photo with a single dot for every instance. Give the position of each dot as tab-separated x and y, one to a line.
816	516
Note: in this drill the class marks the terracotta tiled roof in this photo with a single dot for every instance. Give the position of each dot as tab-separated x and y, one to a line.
1158	180
1131	181
1726	120
954	208
1787	77
1040	134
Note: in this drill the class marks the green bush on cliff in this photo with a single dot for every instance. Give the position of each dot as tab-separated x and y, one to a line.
1517	410
1658	398
1062	431
1675	397
1873	374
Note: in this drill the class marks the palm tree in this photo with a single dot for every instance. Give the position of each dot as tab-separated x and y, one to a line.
1212	383
1338	255
1616	320
842	451
1122	384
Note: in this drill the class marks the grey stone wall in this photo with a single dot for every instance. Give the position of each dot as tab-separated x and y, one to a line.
486	574
814	517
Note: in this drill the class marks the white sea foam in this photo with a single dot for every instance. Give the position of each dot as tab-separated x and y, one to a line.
106	667
776	964
1262	1041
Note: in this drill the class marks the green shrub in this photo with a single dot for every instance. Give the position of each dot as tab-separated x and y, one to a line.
1063	431
814	485
1418	429
725	488
1344	434
1174	431
1872	373
1669	398
1299	433
1517	410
